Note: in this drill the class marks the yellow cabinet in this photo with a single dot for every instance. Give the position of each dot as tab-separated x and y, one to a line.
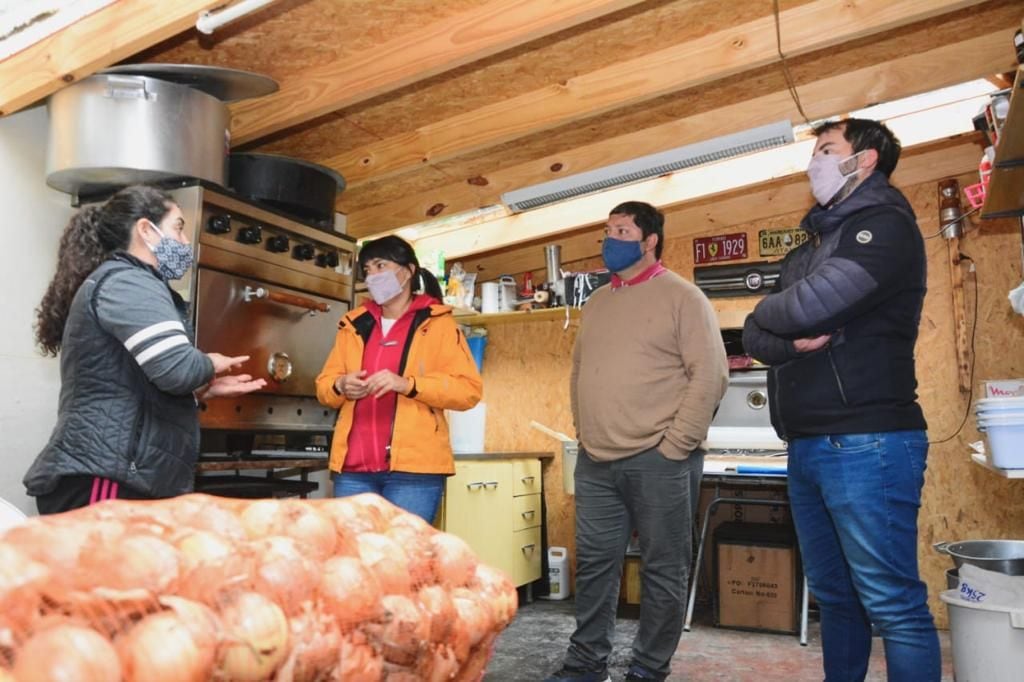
495	506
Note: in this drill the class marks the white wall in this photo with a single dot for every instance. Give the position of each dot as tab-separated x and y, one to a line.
32	217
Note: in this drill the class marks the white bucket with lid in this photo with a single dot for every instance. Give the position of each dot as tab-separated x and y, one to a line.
558	572
988	640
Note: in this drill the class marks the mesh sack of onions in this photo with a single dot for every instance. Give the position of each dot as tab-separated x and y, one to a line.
208	588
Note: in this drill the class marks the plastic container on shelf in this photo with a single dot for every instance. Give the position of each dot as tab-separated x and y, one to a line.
987	640
1005	444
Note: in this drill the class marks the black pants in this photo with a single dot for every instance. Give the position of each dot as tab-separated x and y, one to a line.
658	497
73	492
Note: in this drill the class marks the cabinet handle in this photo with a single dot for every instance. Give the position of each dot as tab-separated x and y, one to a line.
529	547
524	479
481	484
528	514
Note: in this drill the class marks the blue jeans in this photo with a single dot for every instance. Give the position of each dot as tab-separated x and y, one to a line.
418	494
854	501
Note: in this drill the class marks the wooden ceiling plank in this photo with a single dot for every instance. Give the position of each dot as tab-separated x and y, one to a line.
918	164
922	163
96	41
436	48
918	72
814	26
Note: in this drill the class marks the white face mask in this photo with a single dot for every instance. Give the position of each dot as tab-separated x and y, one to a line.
383	286
827	176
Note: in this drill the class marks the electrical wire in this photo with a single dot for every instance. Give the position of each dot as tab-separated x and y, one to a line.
974	330
790	85
954	222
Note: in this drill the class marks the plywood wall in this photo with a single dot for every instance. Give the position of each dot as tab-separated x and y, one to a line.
526	376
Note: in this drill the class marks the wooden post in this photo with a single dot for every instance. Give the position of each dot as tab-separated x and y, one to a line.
956	276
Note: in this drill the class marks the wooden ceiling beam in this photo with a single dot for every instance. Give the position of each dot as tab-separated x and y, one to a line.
806	28
918	72
708	214
433	49
94	42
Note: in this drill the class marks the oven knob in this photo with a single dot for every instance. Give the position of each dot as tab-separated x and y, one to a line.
279	367
219	224
327	259
278	244
251	235
303	252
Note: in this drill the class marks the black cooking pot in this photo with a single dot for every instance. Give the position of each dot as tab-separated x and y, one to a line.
301	189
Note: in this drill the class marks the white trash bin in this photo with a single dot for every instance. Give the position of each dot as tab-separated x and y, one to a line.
558	572
988	640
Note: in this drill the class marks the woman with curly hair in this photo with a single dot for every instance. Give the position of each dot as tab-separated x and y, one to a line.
127	421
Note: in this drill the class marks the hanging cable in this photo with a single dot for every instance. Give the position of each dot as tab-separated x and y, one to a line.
954	222
974	329
790	85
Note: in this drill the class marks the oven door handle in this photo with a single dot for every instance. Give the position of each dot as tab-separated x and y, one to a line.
309	304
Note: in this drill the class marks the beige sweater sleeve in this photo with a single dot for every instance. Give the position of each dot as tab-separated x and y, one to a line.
707	371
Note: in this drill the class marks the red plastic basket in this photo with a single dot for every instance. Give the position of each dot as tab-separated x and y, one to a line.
975	194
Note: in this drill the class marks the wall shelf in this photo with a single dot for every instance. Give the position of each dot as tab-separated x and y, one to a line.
1005	196
540	315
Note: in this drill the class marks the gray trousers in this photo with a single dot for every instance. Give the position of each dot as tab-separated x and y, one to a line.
658	497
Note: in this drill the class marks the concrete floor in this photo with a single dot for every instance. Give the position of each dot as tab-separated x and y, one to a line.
533	645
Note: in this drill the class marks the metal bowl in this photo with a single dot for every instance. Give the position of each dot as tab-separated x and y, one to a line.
1002	556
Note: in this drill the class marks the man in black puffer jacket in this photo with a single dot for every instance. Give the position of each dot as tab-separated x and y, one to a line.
839	331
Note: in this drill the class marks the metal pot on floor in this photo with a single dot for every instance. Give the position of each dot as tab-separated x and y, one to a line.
1001	556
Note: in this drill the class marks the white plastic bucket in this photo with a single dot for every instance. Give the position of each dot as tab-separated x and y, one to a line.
466	429
558	572
988	640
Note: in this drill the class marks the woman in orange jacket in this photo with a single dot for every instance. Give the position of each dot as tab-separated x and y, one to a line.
398	362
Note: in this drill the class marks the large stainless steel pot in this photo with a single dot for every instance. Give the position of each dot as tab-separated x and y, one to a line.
111	130
144	123
1002	556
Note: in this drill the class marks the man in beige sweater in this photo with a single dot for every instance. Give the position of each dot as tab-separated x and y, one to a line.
649	369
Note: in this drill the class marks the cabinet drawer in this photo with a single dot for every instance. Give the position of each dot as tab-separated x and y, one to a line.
526	512
526	556
526	476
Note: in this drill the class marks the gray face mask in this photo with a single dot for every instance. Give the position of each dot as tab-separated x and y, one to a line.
829	175
172	257
383	286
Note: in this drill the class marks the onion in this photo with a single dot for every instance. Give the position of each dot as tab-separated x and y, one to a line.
406	629
437	605
373	504
349	591
439	665
256	637
163	646
474	616
498	593
473	669
58	545
135	561
419	552
22	583
388	562
204	512
350	519
358	661
454	562
283	573
316	645
296	519
200	547
67	653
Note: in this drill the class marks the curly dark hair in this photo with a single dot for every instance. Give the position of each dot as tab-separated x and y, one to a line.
92	235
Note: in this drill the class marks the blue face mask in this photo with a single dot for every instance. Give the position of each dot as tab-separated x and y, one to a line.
172	257
619	255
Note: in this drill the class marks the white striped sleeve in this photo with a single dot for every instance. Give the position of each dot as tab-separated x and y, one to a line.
160	347
153	330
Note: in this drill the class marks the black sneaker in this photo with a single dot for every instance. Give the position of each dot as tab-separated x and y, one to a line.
639	672
571	674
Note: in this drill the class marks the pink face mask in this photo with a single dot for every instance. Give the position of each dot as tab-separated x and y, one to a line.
383	286
827	177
